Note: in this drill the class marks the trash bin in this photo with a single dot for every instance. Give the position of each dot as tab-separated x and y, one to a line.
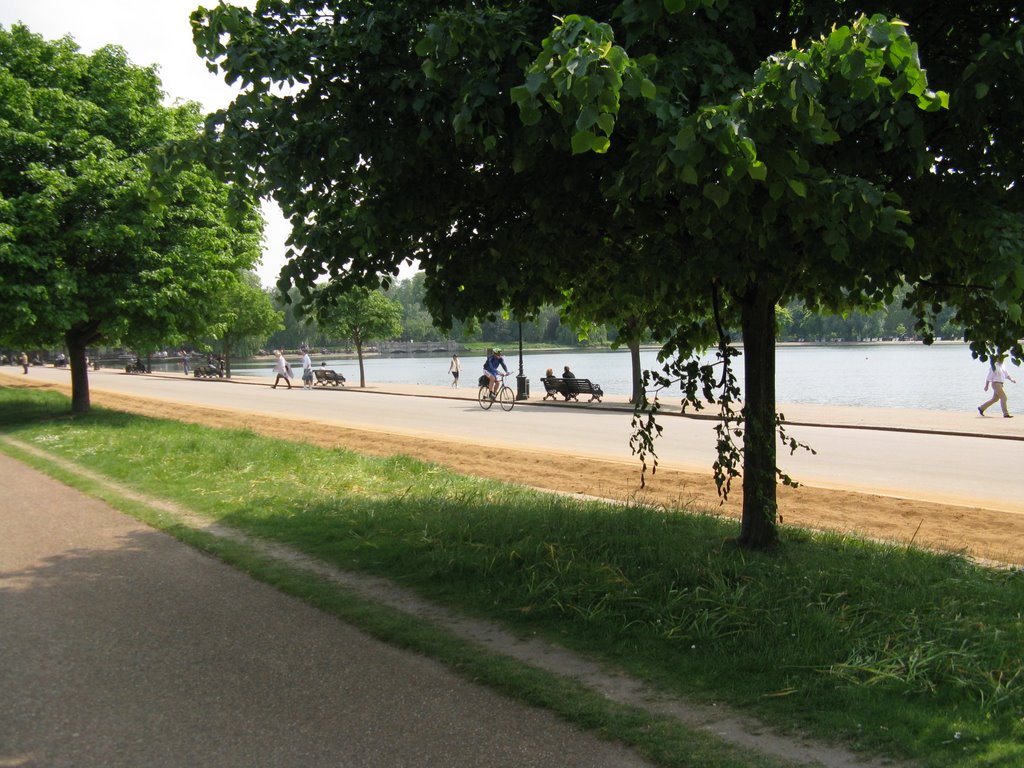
522	388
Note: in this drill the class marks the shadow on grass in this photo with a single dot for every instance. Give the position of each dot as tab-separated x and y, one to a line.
24	408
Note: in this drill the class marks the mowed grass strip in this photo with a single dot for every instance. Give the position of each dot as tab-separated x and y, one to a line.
893	650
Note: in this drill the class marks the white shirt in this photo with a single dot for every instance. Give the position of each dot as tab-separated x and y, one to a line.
997	373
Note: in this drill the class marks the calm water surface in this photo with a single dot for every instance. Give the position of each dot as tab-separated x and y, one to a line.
940	377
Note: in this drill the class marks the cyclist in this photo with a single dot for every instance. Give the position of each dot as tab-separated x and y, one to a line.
494	360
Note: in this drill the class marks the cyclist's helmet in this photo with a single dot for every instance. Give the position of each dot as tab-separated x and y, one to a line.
497	352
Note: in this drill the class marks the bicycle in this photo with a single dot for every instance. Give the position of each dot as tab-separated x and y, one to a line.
505	397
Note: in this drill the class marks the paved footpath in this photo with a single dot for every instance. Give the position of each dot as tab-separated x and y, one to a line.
120	646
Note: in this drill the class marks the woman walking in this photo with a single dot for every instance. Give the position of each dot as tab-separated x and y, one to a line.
282	369
454	369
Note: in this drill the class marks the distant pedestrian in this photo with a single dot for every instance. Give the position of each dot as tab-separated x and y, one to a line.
282	369
23	360
184	361
567	374
454	370
997	378
307	371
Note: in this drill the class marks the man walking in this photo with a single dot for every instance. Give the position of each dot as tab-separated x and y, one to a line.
307	370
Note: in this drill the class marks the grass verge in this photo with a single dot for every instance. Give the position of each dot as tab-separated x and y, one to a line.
890	649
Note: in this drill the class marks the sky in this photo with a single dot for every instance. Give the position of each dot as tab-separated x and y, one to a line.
152	32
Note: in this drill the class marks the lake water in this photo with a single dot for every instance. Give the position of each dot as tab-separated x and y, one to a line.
941	377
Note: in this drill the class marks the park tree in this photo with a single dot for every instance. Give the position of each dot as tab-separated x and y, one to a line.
91	250
736	155
359	315
243	312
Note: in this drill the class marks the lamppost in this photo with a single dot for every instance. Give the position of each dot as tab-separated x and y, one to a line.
522	383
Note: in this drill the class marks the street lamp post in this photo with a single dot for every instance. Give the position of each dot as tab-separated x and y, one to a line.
522	383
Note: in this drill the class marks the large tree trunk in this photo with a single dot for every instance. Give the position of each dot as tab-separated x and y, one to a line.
76	340
760	505
638	383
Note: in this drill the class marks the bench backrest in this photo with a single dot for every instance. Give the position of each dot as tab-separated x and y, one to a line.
553	383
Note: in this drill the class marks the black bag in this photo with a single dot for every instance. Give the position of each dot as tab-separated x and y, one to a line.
484	381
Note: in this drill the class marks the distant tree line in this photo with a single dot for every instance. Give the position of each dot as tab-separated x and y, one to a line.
891	322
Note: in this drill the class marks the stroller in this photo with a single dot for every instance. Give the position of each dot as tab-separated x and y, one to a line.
208	371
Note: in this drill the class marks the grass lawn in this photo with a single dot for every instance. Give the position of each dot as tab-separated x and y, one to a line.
891	650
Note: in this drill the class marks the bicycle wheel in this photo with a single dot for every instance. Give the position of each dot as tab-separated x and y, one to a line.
484	397
507	398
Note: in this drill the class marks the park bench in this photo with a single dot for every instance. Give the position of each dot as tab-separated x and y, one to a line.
571	389
325	376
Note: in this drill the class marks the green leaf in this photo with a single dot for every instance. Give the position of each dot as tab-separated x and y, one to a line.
529	113
980	91
685	137
852	66
582	141
534	82
758	171
798	187
587	118
648	89
689	175
675	6
425	47
839	40
519	94
717	194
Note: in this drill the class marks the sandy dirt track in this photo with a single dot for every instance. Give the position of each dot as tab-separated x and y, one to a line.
979	533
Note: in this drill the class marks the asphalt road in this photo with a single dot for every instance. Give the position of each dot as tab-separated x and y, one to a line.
120	646
958	458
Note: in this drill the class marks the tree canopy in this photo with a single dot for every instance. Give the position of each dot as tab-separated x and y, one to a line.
707	159
88	250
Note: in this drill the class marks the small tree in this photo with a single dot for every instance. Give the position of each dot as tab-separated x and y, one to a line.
359	315
245	312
